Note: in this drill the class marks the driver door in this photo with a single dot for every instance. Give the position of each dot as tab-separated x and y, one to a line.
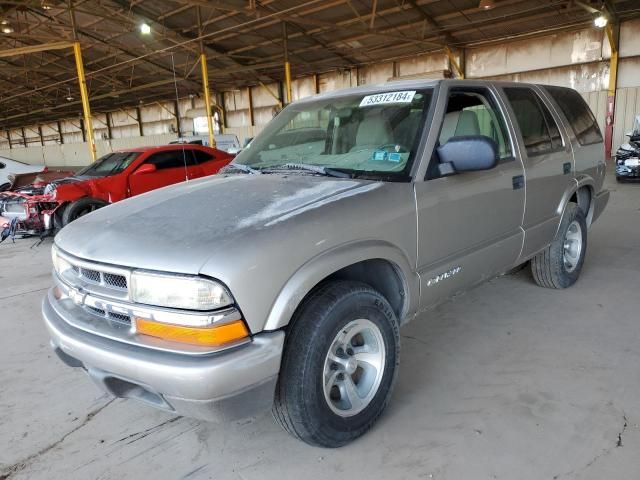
469	223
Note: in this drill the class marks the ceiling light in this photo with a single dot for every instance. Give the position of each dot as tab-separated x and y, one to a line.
486	4
4	21
145	29
7	29
600	21
46	5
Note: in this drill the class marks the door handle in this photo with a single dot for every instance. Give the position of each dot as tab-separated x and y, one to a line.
518	182
566	168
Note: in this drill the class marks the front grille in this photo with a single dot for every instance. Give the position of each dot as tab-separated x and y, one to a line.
106	281
97	311
115	281
90	275
96	277
120	317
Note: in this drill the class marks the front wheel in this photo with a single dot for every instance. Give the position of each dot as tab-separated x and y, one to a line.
80	208
559	265
339	365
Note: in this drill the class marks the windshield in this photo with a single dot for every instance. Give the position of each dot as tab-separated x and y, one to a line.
361	134
110	164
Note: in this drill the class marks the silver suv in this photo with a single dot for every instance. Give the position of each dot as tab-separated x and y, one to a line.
282	282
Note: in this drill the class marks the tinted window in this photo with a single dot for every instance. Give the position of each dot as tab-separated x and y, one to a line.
171	159
473	112
2	165
578	114
554	132
201	157
531	119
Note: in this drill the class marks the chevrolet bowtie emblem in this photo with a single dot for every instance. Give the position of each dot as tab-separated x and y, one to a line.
76	296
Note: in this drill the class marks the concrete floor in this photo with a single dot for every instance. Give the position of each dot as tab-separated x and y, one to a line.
510	381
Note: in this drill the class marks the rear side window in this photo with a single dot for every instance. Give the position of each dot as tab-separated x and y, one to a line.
578	114
171	159
539	130
201	157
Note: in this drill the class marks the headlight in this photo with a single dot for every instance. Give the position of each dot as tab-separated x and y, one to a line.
60	265
50	189
175	291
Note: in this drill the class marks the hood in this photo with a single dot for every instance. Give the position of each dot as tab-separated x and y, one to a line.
13	167
178	228
73	179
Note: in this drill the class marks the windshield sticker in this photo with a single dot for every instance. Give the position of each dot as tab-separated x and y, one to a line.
394	157
379	156
391	97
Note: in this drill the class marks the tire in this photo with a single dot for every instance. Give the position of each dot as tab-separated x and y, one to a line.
80	208
305	406
559	265
619	179
4	187
58	217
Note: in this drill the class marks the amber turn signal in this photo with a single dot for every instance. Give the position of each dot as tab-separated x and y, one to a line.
214	336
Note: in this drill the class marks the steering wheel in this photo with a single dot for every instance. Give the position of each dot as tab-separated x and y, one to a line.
394	148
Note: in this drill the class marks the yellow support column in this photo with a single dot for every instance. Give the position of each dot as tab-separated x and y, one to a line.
287	79
613	34
287	66
454	62
86	109
207	98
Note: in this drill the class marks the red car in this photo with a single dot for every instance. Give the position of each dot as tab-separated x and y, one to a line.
111	178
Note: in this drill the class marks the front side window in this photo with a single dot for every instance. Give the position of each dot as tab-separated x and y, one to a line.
578	114
110	164
540	133
474	112
360	134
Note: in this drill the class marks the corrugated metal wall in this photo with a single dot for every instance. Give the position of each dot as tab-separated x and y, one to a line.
577	59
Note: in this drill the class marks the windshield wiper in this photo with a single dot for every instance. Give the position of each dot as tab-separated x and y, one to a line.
319	169
240	166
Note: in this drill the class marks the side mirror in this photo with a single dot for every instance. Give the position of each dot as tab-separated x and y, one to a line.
146	168
467	154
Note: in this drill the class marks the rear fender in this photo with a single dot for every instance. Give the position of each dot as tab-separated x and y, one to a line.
579	182
322	266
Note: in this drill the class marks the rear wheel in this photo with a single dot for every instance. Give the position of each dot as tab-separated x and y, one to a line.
4	187
560	264
339	365
80	208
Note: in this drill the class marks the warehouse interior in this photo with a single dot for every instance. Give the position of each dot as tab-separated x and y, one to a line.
505	381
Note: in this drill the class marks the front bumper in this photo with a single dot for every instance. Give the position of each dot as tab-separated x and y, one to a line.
626	171
232	384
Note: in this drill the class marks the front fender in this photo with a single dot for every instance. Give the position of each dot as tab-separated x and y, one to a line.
331	261
71	192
